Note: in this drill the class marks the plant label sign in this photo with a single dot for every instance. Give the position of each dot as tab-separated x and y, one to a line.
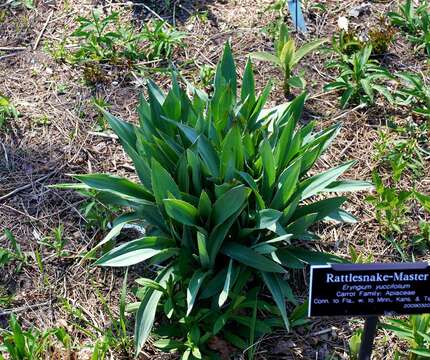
369	289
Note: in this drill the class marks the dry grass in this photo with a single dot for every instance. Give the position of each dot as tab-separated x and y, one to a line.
56	135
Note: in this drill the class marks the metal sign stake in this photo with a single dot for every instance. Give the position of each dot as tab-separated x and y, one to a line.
367	338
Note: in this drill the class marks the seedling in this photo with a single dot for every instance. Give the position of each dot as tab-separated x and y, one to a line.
7	110
286	57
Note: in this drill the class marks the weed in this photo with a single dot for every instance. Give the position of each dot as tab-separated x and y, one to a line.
401	155
101	103
222	184
359	258
32	344
161	39
15	254
286	57
7	110
359	78
56	241
391	205
415	92
104	40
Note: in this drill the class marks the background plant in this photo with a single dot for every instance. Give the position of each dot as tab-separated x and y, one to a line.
415	330
415	22
414	91
359	78
287	57
223	184
104	40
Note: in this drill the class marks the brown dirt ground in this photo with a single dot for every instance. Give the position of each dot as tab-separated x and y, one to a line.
56	135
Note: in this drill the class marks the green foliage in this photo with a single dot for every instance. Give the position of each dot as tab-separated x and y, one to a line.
401	154
346	43
15	254
56	241
206	75
7	110
415	330
415	22
287	57
391	205
161	40
222	184
359	78
415	92
104	40
31	344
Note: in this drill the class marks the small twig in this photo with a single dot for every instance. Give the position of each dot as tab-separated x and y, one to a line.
349	111
12	48
22	308
324	331
36	44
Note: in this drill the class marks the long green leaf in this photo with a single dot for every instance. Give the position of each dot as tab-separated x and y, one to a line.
135	251
181	211
229	203
147	309
193	288
250	258
272	283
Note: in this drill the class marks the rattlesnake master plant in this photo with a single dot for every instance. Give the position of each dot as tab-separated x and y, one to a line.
225	190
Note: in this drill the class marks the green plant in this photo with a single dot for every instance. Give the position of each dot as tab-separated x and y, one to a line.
358	257
31	344
224	185
98	39
401	154
415	92
206	75
408	16
56	240
346	42
7	110
16	254
415	22
104	40
359	78
391	205
422	240
287	57
161	39
415	330
99	102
